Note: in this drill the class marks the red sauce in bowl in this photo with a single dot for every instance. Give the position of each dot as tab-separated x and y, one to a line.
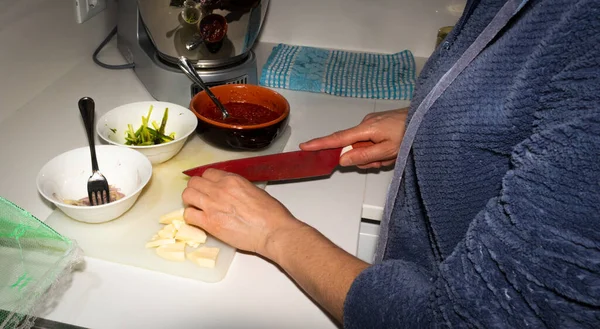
244	114
212	29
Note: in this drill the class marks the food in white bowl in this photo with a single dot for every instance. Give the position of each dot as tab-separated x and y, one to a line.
122	124
63	181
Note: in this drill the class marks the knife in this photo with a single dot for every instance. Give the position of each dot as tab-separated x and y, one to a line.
282	166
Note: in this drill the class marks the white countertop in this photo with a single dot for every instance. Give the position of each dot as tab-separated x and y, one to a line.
39	119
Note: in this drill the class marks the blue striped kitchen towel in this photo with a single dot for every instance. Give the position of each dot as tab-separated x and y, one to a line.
341	73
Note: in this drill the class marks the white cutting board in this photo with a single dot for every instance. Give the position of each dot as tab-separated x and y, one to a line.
123	239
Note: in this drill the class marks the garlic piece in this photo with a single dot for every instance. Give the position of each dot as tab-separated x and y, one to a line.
204	256
190	233
174	252
159	242
177	223
173	215
167	232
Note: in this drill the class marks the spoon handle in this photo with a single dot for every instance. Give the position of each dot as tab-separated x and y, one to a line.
86	107
193	75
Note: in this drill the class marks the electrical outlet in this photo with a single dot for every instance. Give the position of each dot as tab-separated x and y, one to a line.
86	9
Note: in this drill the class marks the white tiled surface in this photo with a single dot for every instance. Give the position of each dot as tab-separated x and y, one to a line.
365	25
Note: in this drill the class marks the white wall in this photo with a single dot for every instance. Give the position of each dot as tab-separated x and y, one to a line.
40	41
363	25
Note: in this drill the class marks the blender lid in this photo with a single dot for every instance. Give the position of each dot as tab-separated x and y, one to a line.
210	33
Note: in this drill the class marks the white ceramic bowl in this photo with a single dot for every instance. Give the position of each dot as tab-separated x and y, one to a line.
66	176
112	126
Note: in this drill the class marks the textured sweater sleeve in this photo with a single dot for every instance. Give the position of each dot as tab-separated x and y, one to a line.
531	257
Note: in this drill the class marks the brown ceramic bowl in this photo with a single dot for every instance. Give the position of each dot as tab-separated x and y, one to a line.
239	136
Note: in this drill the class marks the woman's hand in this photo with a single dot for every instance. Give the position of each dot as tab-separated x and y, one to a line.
384	129
236	211
232	209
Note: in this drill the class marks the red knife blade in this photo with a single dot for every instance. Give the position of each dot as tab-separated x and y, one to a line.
282	166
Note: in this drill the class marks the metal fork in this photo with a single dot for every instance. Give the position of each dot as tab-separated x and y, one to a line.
97	186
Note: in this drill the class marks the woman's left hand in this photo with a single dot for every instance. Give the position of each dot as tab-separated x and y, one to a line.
235	211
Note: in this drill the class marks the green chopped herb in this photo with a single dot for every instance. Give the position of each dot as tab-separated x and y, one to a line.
145	135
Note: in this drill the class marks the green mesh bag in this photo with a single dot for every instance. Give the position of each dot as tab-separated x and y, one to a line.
36	266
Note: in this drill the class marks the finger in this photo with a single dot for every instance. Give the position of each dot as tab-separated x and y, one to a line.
197	181
201	184
193	197
372	165
369	116
388	163
340	138
366	155
377	164
214	175
199	218
194	216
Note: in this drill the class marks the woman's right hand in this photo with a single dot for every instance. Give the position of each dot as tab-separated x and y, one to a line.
384	129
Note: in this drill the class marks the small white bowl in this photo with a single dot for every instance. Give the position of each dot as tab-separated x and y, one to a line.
66	175
112	126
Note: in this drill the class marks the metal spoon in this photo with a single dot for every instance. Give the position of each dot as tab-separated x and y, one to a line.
191	73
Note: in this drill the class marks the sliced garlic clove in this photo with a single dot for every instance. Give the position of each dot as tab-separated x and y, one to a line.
193	244
174	252
177	223
167	232
173	215
204	256
190	233
160	242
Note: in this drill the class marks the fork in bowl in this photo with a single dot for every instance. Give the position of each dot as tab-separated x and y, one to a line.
97	186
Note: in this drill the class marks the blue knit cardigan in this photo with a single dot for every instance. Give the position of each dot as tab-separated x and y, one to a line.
497	221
